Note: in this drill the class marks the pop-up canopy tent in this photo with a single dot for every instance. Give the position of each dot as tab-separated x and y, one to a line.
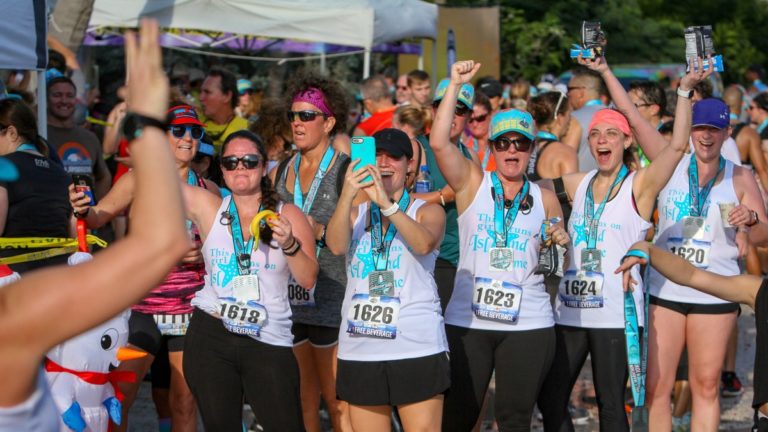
222	23
23	46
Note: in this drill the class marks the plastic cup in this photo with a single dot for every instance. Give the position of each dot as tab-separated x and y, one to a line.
725	210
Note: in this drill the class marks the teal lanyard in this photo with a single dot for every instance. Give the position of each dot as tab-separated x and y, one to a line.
379	246
243	250
593	102
502	223
637	355
547	136
298	197
699	196
192	181
26	147
592	217
762	126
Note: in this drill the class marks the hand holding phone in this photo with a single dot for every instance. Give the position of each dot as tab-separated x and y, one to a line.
84	183
364	149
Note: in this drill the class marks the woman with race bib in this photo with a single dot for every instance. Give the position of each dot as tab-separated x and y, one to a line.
312	180
162	317
239	339
392	347
499	316
702	210
612	209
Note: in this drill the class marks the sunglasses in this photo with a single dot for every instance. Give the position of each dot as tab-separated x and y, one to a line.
478	119
502	144
461	110
196	132
250	161
304	116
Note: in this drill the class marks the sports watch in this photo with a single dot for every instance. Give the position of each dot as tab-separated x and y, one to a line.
134	124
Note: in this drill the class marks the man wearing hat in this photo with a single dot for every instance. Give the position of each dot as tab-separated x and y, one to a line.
490	87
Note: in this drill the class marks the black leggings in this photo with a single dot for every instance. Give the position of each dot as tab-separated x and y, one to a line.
521	360
219	366
609	372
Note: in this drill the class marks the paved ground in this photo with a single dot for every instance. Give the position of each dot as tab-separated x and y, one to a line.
736	412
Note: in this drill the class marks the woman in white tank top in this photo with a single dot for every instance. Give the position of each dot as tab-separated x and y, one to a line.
240	332
391	311
690	225
612	209
499	316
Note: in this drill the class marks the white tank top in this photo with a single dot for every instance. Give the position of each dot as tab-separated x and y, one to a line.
267	263
37	413
723	253
476	239
619	228
420	330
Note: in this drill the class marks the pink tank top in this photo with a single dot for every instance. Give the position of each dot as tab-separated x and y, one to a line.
175	293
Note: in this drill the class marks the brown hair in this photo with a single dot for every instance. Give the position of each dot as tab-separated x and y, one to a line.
18	114
542	107
417	118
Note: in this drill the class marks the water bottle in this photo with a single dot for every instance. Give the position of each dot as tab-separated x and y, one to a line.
423	180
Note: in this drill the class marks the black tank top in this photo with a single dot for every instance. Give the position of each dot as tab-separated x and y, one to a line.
533	162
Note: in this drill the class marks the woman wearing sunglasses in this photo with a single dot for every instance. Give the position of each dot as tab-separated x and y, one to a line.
499	316
47	307
239	339
551	113
163	316
478	126
612	209
311	180
392	347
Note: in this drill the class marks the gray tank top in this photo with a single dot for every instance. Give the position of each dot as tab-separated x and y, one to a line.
332	278
584	115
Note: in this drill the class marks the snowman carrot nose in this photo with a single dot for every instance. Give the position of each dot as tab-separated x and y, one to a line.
124	354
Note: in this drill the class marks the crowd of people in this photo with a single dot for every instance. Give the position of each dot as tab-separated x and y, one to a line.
497	233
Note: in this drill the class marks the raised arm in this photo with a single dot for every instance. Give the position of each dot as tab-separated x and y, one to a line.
652	179
463	175
77	298
649	139
111	205
737	289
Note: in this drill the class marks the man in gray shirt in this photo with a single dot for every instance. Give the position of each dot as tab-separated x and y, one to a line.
587	95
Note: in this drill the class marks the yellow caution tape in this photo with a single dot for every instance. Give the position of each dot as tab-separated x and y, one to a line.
94	120
60	246
256	224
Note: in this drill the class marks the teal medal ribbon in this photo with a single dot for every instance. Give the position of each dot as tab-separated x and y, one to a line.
381	241
762	126
593	102
502	223
637	350
243	250
592	217
298	197
699	195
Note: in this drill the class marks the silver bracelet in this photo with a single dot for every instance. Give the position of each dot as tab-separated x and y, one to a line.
391	210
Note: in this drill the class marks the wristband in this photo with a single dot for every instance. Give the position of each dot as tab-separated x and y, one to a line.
684	93
636	253
82	215
391	210
293	249
442	200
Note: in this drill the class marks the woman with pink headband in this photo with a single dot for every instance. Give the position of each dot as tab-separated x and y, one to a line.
312	180
612	209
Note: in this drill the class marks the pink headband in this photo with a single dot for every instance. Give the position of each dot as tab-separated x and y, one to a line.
314	96
612	117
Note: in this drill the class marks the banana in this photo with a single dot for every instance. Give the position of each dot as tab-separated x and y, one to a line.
256	223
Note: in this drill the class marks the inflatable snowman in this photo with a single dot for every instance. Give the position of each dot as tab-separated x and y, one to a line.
81	376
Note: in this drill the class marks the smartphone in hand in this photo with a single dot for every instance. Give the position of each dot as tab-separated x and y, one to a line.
84	183
364	149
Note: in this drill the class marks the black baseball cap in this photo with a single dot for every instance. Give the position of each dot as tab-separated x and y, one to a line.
394	142
490	87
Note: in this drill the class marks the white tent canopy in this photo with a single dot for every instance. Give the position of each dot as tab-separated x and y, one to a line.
361	23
